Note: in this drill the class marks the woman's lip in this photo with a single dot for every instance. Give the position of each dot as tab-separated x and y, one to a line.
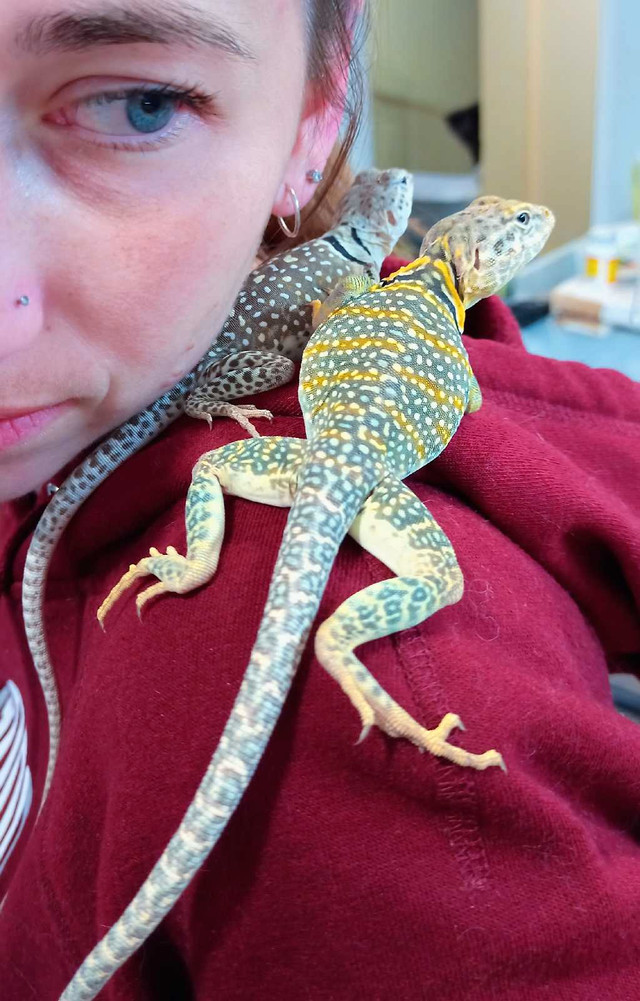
15	413
16	426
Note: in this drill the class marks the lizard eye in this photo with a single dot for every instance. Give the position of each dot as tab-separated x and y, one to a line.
524	218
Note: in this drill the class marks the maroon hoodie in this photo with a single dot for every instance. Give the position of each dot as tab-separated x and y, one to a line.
349	870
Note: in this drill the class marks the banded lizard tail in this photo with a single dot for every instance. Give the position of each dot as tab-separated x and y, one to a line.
384	384
265	332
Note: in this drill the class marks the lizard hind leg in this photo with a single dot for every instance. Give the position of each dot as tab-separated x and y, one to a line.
396	528
240	374
259	469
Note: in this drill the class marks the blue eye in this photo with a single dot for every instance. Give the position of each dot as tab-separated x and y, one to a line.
150	112
127	116
136	112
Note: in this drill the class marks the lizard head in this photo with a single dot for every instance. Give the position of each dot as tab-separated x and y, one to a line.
489	242
378	205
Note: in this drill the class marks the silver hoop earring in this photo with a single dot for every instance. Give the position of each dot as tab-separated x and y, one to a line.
291	233
23	300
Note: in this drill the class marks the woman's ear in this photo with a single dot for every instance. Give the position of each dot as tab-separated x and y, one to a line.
318	131
317	135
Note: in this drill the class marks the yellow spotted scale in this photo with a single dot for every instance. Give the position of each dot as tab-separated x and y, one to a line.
384	384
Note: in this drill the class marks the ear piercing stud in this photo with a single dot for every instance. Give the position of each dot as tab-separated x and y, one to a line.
23	300
315	176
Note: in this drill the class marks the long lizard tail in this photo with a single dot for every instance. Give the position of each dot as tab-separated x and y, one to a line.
63	505
325	505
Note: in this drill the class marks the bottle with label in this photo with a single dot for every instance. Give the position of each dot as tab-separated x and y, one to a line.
601	255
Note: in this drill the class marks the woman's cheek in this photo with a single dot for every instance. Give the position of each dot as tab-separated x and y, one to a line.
146	273
149	289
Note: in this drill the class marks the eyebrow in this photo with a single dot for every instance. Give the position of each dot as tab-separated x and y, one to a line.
169	24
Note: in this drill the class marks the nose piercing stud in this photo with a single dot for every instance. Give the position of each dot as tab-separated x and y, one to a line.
23	300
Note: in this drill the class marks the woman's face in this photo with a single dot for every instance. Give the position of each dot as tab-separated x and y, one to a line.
143	146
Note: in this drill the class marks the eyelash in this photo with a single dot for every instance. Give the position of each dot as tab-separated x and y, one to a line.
192	97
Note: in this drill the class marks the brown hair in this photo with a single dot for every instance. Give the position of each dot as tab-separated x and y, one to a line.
334	37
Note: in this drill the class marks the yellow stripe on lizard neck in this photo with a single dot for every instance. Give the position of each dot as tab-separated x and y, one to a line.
445	271
426	293
389	284
407	269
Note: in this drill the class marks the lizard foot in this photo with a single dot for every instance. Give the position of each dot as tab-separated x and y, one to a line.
240	413
377	708
175	574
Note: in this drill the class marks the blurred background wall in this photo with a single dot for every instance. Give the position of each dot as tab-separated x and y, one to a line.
535	99
538	62
426	67
617	110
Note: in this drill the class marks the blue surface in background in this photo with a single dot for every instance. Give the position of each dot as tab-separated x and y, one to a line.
619	350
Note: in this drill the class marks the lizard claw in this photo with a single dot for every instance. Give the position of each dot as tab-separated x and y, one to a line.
148	594
241	413
376	708
175	574
397	723
127	580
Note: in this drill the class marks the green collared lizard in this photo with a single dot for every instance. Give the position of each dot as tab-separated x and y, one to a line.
263	336
384	384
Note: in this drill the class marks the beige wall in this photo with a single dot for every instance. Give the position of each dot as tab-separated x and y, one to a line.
531	63
537	84
425	65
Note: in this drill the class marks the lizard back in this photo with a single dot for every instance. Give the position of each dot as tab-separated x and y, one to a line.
387	375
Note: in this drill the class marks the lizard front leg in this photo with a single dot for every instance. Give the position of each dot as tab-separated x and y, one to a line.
396	528
262	470
240	374
345	291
